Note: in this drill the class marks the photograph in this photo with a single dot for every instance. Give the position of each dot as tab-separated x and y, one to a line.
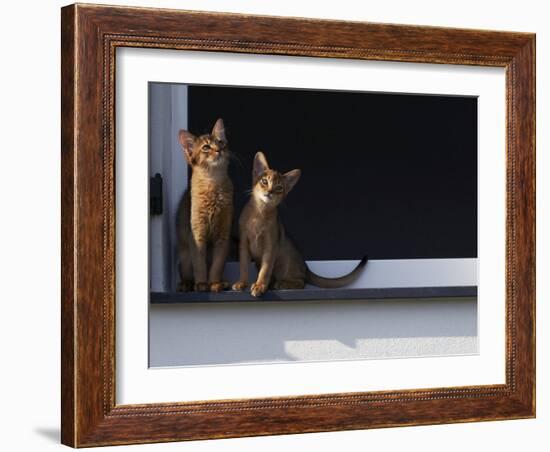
326	199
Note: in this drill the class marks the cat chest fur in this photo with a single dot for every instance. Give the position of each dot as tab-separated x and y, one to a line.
260	233
211	208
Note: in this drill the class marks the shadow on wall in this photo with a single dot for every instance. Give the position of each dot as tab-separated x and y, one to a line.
236	333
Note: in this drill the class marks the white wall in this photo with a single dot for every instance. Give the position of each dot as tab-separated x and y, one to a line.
181	335
29	237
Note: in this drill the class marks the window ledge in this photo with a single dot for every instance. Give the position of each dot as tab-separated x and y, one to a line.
317	295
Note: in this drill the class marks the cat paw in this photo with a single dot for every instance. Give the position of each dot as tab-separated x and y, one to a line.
185	286
219	286
258	289
202	287
239	286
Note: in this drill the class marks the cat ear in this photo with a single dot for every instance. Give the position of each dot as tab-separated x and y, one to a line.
187	139
260	165
291	178
219	130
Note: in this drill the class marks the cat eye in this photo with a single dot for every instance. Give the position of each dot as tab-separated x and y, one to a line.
206	148
278	189
264	181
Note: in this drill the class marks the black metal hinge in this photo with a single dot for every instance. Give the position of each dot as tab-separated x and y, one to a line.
155	195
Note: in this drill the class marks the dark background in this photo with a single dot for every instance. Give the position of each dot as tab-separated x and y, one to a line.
393	176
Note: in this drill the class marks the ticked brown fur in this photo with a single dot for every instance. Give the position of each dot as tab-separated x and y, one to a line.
205	212
262	237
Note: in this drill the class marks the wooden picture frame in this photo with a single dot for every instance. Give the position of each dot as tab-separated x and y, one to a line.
90	36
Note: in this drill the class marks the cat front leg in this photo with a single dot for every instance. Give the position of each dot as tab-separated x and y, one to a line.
198	256
244	262
219	256
221	240
264	276
199	242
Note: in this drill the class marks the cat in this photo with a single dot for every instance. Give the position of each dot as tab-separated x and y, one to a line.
205	212
262	237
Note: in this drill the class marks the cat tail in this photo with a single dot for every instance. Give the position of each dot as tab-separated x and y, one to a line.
334	283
